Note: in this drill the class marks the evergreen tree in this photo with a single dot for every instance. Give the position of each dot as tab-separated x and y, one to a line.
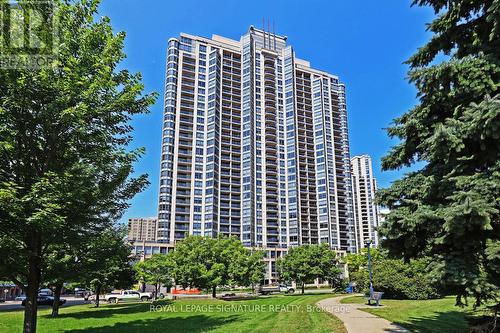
449	209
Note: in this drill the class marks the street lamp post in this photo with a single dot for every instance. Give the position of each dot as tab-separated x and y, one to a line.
368	244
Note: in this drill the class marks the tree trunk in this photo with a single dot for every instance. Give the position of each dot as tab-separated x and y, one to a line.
214	291
97	293
303	287
57	297
156	292
30	310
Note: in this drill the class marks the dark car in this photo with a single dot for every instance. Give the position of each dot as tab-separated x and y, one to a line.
45	300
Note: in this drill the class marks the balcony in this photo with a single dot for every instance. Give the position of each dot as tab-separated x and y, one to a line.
182	184
182	201
184	160
184	176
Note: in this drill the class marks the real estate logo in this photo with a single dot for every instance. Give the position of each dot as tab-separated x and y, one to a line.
28	34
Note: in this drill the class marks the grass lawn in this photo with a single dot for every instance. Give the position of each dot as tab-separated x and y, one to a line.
437	315
260	315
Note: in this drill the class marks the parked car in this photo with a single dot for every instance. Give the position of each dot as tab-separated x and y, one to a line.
45	292
127	295
45	300
87	295
21	297
80	292
282	288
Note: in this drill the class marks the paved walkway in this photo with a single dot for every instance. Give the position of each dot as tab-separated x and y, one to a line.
358	321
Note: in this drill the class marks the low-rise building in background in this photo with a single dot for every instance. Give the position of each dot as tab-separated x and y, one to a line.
142	229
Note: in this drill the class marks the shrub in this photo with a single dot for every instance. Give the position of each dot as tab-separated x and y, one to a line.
397	279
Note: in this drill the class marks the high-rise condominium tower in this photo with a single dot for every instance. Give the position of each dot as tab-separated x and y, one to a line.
255	145
366	212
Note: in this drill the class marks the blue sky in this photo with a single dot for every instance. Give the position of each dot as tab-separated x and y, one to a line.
364	42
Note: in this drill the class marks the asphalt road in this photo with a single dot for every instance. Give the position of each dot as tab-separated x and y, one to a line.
16	305
70	300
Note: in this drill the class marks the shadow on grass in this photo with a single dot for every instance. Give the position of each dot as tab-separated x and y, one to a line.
198	323
438	322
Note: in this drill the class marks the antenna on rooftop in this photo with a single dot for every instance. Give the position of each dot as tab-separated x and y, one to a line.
269	32
264	31
274	34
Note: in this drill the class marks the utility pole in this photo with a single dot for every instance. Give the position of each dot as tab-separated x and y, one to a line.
368	244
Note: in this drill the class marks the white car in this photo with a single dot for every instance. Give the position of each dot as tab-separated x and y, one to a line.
127	295
270	289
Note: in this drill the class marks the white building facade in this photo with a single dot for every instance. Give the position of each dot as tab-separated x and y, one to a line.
255	145
366	212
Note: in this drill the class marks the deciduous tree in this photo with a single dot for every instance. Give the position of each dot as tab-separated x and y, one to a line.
356	261
207	263
62	265
396	278
107	263
305	263
64	132
157	270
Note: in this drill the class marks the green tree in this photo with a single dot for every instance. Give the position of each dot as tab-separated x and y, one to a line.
247	268
449	208
356	261
157	270
396	278
64	133
207	263
66	264
107	262
305	263
241	266
62	265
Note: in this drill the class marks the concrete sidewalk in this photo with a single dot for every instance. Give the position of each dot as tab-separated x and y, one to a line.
357	321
